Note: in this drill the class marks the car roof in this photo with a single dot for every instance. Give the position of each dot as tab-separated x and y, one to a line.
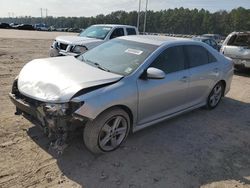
153	39
114	25
240	32
211	35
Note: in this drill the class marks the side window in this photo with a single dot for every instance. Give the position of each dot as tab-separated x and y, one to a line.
117	33
170	60
131	31
197	55
231	40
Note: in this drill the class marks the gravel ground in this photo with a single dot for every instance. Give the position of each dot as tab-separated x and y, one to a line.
207	149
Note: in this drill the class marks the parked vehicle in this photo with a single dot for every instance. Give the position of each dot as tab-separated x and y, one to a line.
215	37
237	47
89	38
41	27
4	26
208	41
24	27
13	25
123	85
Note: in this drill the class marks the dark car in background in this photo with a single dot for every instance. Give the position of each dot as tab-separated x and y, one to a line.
215	37
209	41
25	27
4	26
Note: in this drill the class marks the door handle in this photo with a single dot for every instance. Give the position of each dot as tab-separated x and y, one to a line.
184	79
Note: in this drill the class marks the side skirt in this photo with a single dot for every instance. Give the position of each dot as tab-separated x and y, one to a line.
142	126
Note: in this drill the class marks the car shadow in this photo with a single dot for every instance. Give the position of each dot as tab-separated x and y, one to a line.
242	72
197	148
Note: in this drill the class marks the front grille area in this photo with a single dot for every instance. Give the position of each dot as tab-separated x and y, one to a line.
63	46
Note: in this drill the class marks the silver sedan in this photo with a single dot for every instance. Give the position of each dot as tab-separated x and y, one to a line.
121	86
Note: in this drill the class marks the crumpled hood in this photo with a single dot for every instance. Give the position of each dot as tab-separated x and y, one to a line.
76	40
58	79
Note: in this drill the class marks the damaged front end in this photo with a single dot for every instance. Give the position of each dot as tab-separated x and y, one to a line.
55	119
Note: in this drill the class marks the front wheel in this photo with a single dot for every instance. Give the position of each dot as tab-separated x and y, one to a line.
215	95
107	132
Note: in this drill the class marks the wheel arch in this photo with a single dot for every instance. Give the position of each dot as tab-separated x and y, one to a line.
126	109
224	85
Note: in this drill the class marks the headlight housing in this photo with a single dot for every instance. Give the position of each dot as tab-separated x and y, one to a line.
79	49
55	44
56	109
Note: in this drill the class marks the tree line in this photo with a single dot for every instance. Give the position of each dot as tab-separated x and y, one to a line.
177	21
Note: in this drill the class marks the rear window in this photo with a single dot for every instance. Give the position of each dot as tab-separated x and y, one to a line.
240	40
131	31
198	55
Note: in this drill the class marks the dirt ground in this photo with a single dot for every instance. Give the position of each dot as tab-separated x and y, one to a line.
208	149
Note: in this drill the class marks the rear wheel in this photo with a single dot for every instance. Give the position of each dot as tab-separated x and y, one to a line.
215	95
107	132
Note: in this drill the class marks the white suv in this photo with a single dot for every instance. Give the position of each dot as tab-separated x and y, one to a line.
237	47
89	38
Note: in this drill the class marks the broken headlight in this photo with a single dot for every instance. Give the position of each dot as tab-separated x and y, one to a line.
56	109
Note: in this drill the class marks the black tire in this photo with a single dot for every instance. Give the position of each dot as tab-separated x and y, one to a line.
94	130
211	105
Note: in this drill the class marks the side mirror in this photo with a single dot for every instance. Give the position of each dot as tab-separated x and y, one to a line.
154	73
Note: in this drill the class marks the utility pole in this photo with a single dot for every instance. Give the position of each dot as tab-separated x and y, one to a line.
46	12
145	17
41	12
138	18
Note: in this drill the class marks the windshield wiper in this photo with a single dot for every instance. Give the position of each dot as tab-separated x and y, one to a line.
96	64
101	67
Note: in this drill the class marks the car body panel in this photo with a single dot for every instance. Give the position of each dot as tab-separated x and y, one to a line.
161	97
58	79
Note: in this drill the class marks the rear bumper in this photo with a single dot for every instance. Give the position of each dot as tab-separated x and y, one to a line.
242	62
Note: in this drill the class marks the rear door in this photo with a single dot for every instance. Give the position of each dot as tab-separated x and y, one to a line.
204	72
162	97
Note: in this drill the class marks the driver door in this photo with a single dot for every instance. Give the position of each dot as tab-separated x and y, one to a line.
162	97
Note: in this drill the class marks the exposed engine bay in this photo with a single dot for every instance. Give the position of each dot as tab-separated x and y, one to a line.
56	120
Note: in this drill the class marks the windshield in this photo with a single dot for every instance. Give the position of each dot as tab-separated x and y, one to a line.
118	56
98	32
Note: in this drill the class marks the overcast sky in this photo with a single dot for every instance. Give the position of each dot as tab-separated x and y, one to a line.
93	7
